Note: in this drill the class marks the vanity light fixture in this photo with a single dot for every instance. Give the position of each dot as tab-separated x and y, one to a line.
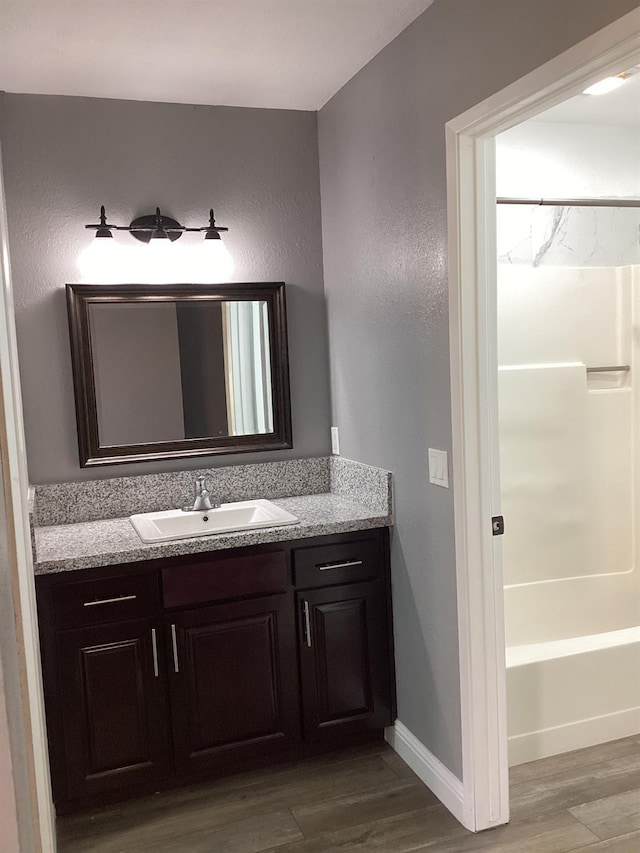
105	261
155	227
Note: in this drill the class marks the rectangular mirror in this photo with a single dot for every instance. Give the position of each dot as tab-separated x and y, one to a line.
164	371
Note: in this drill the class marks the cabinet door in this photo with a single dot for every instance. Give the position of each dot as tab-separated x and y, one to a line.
344	653
114	706
233	683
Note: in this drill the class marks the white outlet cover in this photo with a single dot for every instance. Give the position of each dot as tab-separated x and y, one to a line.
335	441
438	468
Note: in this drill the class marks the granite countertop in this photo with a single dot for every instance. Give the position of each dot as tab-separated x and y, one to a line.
66	547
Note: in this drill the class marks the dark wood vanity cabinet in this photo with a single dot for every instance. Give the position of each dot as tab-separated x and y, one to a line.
343	601
344	661
232	695
113	707
190	667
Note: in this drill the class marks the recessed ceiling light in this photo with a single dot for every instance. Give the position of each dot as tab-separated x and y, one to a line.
607	85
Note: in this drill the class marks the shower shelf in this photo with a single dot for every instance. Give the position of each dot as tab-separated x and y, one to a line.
615	368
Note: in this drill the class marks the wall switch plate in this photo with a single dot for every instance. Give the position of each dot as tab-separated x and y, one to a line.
438	468
335	441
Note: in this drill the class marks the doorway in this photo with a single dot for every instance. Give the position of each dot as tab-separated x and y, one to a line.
474	372
567	291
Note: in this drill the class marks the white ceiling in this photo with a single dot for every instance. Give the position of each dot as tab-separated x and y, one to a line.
620	108
289	54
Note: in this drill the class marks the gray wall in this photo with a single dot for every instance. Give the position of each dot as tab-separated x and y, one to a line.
63	157
136	364
382	166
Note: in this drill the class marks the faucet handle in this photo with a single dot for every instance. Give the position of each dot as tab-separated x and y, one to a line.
201	485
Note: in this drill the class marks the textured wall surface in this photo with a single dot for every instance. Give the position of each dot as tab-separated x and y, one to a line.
138	381
63	157
382	162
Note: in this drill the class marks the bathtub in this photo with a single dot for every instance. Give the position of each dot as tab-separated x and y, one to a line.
568	693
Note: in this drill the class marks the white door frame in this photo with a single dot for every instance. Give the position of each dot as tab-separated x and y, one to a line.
38	812
473	344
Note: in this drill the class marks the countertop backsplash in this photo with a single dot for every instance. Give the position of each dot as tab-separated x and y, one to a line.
363	483
120	497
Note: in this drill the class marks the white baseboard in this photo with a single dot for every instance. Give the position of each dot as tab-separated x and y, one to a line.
575	735
438	778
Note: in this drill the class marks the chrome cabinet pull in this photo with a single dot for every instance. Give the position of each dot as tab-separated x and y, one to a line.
307	624
174	641
110	600
346	565
154	646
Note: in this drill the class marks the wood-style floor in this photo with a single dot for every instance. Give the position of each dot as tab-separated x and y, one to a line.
367	799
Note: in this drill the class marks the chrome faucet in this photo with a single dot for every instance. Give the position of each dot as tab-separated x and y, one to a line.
203	499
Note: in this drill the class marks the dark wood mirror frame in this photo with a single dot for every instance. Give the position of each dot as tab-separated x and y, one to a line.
79	299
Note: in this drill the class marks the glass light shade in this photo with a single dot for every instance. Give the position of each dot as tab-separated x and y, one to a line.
102	262
212	262
161	261
158	262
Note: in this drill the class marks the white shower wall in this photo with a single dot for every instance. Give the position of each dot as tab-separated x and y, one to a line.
567	443
569	473
541	159
568	291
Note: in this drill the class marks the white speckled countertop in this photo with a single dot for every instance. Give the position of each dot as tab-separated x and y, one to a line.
66	547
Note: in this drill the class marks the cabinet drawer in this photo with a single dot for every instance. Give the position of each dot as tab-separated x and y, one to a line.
344	562
225	577
112	599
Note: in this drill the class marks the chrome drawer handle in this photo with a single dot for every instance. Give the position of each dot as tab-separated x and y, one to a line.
307	624
174	642
154	645
347	565
110	600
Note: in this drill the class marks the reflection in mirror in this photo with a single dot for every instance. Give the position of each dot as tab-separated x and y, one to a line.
168	371
164	371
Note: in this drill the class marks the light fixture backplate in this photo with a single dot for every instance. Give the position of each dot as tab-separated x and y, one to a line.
150	223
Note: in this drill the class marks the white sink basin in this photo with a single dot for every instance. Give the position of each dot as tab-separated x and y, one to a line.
176	524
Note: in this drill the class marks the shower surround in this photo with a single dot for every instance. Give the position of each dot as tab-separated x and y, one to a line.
568	291
569	472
